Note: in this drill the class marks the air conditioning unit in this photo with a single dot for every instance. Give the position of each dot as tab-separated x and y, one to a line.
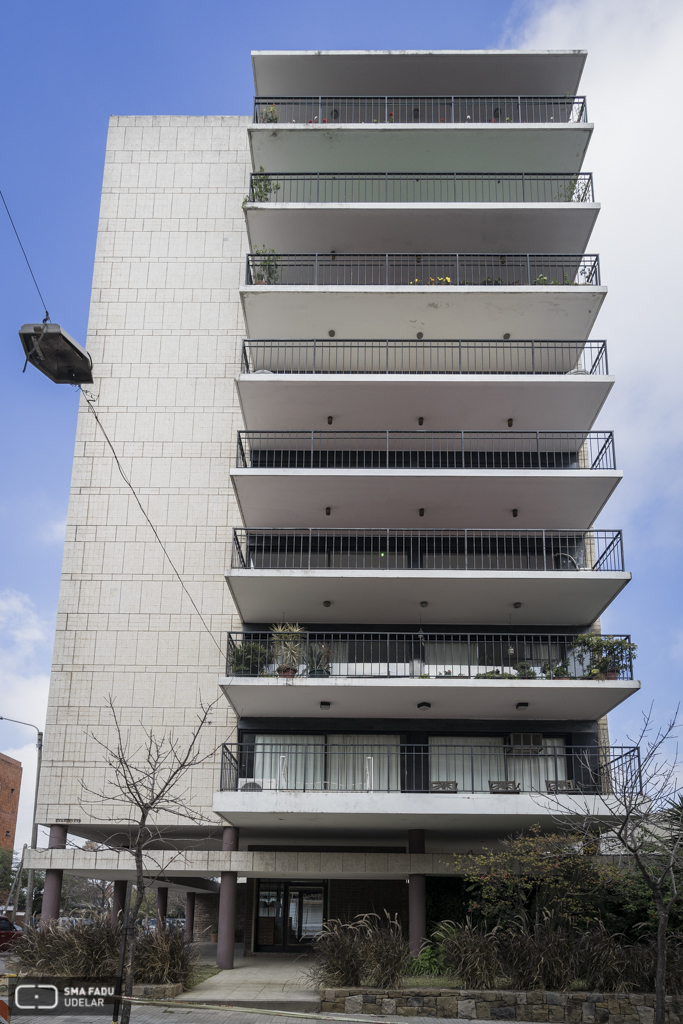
525	743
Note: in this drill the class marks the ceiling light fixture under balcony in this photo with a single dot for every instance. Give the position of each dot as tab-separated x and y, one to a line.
326	604
517	604
424	705
424	604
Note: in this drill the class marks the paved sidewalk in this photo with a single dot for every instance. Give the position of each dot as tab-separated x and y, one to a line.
264	982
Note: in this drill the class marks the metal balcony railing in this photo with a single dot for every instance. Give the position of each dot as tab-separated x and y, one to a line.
422	269
511	765
330	110
425	449
469	550
420	655
421	187
421	357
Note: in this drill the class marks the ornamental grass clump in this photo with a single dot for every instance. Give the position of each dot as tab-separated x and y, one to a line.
469	952
366	951
90	949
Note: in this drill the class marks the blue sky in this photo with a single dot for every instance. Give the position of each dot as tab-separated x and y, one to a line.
66	67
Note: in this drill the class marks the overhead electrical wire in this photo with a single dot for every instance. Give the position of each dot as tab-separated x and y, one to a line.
47	315
153	528
89	400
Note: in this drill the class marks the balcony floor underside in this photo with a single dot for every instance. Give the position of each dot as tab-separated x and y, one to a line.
541	148
482	597
483	699
389	498
375	401
481	312
421	227
480	814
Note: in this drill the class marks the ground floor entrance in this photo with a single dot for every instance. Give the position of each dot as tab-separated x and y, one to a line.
288	914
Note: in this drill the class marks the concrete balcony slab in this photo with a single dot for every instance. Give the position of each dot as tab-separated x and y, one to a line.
450	698
398	596
392	498
476	312
291	401
419	147
421	227
481	814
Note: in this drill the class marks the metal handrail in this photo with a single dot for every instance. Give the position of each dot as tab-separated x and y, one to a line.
422	269
420	187
413	655
390	356
516	763
442	550
332	110
426	449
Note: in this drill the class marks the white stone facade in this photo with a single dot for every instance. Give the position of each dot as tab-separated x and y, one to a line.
165	336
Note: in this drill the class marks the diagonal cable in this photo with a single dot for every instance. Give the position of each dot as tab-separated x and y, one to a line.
149	521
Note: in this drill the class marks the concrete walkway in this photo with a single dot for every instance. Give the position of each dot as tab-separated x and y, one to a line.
265	982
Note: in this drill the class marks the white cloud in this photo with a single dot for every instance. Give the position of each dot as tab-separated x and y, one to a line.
53	531
25	652
632	81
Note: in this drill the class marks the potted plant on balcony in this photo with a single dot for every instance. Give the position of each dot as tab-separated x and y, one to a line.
604	657
264	269
556	669
318	659
247	658
287	647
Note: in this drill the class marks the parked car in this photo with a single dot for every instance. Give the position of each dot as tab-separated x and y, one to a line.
9	933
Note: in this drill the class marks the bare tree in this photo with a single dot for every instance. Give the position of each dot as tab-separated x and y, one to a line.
145	782
635	809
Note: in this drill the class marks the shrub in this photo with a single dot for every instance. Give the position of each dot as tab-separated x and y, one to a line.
90	949
164	958
471	952
365	951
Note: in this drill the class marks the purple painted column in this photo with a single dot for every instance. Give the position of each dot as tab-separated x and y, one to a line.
118	901
227	907
52	893
189	916
162	906
417	895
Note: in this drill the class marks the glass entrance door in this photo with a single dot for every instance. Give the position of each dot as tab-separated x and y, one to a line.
289	915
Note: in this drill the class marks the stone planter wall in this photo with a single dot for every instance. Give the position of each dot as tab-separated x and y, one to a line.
157	991
552	1007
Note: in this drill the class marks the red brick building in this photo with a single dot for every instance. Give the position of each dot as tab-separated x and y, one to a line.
10	784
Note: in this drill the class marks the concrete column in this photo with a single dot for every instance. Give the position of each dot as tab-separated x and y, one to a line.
417	895
417	912
162	906
118	901
189	916
52	893
227	907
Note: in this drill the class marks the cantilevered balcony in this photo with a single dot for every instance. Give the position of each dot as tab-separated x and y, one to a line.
516	577
406	133
423	212
545	384
401	294
518	763
385	783
395	478
451	675
321	110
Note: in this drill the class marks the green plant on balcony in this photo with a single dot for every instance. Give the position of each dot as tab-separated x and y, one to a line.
495	674
556	669
262	188
287	647
524	670
264	269
604	657
318	659
247	658
269	115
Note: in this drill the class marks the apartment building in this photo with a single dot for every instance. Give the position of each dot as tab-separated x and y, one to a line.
343	349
